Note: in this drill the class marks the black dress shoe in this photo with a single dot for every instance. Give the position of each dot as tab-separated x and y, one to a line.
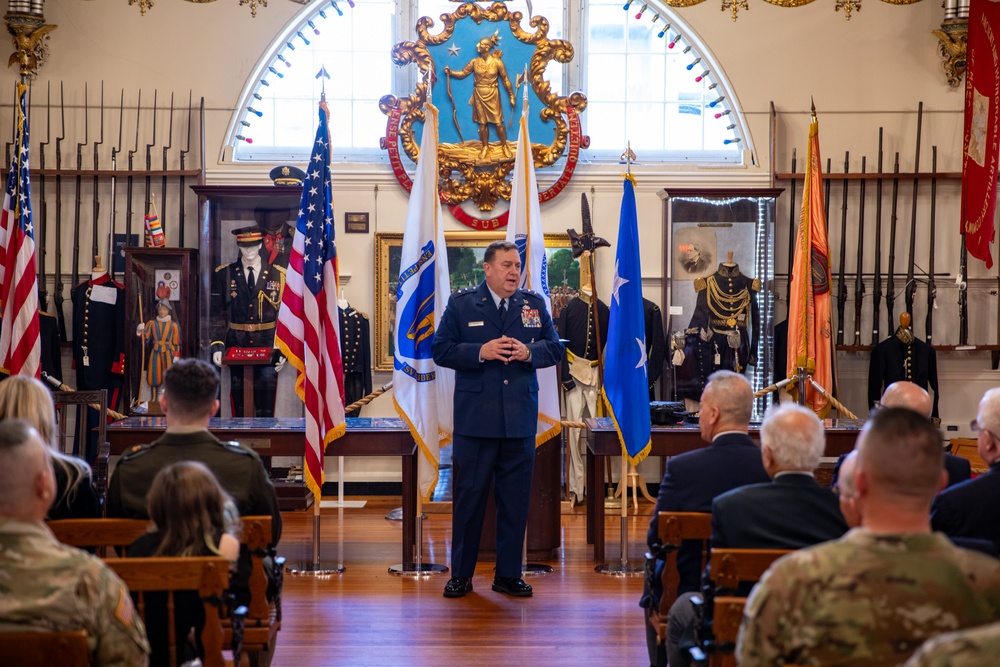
512	586
457	587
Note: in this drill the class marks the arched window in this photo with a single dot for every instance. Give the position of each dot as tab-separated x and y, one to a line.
648	79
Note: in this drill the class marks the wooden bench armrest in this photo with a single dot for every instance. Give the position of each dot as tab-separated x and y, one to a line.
45	648
731	566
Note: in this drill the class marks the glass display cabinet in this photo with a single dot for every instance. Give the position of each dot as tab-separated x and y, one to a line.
718	272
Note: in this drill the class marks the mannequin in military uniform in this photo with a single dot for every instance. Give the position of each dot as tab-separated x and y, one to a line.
99	340
246	296
580	376
656	343
724	329
902	357
355	352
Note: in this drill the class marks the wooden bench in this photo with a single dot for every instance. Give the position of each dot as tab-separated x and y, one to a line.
263	618
729	568
673	529
103	535
208	575
45	648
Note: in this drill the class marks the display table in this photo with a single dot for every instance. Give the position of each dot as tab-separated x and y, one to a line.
271	436
602	441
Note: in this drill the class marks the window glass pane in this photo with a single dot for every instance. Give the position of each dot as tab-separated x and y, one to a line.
637	87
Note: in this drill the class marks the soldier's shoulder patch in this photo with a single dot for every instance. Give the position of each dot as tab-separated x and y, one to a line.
700	284
234	446
755	285
136	451
220	267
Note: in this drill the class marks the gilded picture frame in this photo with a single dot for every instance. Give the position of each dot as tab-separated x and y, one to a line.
465	262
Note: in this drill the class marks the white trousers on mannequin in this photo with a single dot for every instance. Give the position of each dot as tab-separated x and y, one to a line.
581	401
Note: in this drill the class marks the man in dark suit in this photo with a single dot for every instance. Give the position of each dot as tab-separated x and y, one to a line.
972	508
495	336
790	512
693	480
906	394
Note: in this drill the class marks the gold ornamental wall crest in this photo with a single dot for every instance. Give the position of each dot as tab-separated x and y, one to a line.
475	67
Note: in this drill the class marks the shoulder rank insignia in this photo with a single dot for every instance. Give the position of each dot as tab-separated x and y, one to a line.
755	285
700	284
220	267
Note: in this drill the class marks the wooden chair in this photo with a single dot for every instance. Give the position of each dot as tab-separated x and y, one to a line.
105	536
263	618
729	568
43	649
209	576
674	528
74	441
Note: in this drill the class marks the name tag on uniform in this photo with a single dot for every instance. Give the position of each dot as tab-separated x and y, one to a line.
103	294
530	318
477	323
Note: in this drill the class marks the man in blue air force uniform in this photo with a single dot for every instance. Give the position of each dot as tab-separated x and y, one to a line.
495	336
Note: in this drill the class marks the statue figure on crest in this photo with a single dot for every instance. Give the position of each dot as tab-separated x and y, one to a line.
488	72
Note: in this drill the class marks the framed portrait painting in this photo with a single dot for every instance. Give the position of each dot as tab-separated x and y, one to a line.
465	264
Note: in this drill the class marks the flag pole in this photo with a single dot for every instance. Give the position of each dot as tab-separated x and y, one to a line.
623	568
317	567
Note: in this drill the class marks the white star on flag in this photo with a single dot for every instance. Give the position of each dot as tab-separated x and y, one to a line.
642	353
618	282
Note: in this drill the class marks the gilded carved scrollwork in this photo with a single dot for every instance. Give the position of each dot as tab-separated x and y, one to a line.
470	169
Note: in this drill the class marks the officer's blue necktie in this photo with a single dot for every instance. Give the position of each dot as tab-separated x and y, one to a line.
250	281
503	309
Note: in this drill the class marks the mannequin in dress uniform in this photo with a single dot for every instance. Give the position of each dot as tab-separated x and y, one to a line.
355	352
902	357
98	342
724	329
580	376
246	296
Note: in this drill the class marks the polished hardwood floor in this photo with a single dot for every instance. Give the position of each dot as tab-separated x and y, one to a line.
367	616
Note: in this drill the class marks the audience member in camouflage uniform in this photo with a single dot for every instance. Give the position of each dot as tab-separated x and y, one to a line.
875	595
45	585
976	647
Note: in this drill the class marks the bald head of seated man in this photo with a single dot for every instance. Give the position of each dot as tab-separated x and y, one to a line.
910	396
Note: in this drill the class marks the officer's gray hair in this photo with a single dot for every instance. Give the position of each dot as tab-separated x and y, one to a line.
733	395
795	437
989	410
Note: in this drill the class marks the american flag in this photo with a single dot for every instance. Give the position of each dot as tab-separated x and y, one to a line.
20	347
308	330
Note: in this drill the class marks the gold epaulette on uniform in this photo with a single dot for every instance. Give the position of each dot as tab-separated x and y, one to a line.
755	285
700	284
220	267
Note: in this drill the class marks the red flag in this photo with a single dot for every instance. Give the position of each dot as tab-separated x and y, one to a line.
308	331
982	120
809	342
20	346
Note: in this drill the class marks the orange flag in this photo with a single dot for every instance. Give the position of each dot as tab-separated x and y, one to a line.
809	341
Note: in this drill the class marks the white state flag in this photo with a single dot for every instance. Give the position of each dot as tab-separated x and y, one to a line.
422	392
524	227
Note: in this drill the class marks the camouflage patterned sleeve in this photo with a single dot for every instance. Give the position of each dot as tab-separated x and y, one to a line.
965	648
759	641
120	634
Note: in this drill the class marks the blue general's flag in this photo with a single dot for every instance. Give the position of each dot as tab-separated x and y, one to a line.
626	388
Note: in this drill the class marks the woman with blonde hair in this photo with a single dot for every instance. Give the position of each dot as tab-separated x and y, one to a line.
191	516
23	397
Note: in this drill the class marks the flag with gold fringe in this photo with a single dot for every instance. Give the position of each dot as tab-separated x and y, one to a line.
810	344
